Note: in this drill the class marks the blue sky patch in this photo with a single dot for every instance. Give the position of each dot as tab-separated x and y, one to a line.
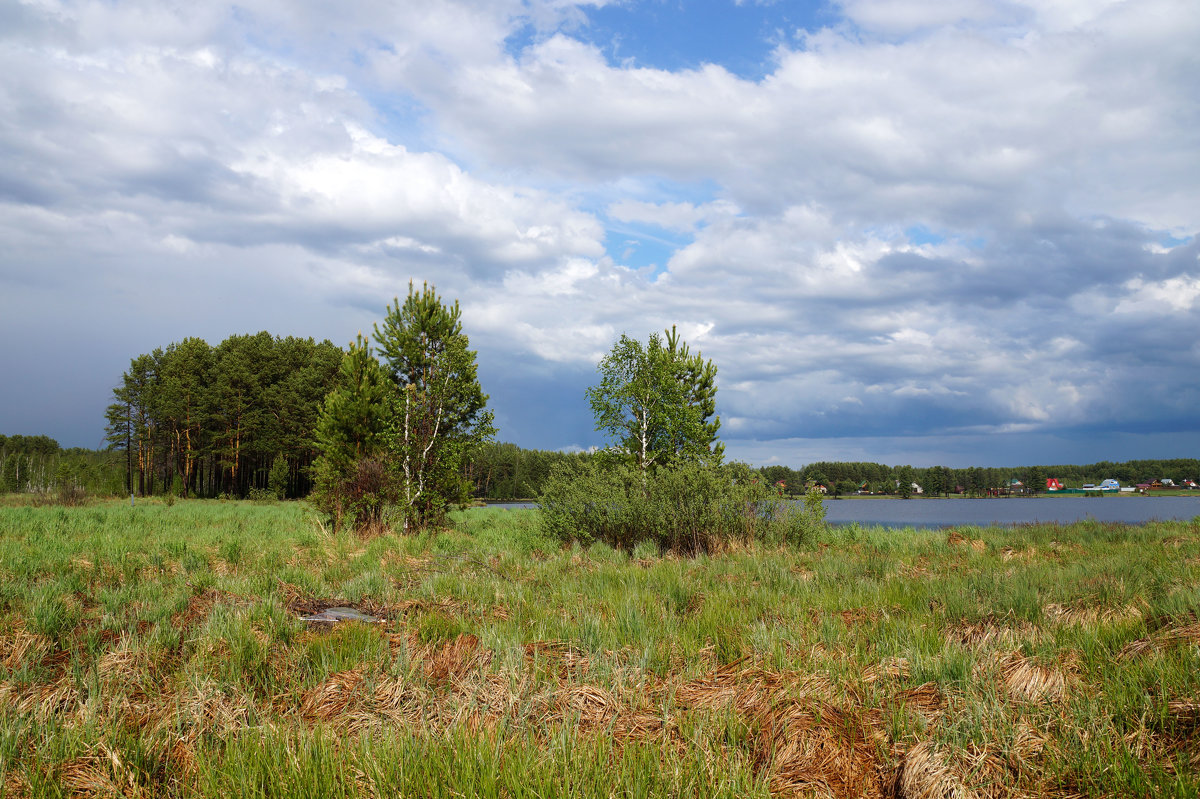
919	234
673	35
641	246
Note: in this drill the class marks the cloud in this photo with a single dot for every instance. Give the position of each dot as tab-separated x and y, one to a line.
678	217
923	224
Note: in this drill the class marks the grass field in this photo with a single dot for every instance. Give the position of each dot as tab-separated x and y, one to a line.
158	651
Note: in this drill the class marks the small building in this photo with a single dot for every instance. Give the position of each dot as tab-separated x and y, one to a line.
1110	485
1053	484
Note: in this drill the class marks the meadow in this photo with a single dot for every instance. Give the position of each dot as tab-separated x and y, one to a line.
159	651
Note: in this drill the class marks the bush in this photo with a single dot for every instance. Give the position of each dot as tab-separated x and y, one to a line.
356	501
687	509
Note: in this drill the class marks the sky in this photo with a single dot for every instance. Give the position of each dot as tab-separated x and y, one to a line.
955	232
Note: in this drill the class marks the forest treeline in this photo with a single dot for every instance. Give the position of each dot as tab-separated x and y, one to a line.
850	477
198	420
505	471
37	464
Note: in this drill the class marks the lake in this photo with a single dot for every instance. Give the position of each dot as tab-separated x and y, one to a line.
1003	511
1008	511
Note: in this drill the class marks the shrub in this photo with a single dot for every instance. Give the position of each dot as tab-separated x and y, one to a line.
356	501
687	509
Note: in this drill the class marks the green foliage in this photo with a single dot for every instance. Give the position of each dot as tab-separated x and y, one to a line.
37	465
215	418
277	480
437	409
699	379
1035	480
49	614
688	509
506	471
976	480
402	432
349	477
656	403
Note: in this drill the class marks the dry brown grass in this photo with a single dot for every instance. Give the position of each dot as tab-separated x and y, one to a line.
101	773
14	786
956	538
927	699
894	668
992	631
808	735
1086	614
195	711
19	646
1026	680
43	701
849	617
807	742
453	659
818	748
569	660
923	773
201	605
1165	638
335	696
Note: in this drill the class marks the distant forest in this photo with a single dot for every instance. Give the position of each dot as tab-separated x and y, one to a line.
36	464
238	419
848	478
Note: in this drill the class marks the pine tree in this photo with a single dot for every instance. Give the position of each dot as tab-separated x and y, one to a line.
184	376
699	379
350	435
438	408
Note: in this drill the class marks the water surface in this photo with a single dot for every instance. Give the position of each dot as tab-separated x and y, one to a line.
1002	511
1008	510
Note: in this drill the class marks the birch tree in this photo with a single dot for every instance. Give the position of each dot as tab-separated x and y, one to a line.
438	413
645	405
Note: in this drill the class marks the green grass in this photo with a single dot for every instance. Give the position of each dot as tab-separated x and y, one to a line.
158	650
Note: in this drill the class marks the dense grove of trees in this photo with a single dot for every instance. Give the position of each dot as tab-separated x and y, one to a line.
498	471
200	420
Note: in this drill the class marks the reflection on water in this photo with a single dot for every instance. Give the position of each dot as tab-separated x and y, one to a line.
985	512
